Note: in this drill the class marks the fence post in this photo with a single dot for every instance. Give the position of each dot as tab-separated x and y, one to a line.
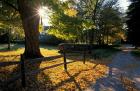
65	62
84	56
23	71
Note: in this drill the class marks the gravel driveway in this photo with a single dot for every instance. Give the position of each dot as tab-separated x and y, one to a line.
123	63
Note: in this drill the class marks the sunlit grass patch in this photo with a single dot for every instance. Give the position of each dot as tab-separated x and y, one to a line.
12	52
105	53
47	52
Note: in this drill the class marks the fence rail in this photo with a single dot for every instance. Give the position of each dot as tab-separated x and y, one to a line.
3	64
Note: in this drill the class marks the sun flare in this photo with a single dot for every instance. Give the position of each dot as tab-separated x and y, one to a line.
41	12
44	14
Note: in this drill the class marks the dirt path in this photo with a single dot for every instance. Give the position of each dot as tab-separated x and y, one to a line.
123	63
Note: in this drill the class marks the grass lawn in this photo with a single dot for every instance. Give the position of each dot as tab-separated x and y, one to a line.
104	56
78	77
105	53
136	53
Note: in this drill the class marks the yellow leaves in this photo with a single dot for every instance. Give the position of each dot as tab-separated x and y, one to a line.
122	35
71	12
79	74
17	52
88	24
1	24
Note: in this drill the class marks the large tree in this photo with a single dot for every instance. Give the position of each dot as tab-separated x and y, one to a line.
88	10
30	20
133	22
27	9
109	23
105	18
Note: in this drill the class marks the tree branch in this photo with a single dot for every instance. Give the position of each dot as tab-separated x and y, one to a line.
9	4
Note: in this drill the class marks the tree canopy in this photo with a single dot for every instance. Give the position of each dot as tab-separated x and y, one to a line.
88	20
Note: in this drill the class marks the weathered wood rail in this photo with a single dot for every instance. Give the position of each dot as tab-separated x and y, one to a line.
3	64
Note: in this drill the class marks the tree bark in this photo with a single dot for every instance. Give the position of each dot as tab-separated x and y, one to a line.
30	21
9	39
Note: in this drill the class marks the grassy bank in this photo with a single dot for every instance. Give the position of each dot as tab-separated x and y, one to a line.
136	53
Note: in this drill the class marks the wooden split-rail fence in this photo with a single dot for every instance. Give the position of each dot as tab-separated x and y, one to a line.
23	73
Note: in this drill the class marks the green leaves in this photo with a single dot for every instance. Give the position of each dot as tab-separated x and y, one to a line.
66	24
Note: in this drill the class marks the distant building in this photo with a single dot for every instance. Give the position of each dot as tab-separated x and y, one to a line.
48	39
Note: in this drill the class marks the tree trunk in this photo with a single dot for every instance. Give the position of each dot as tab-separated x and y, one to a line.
30	21
91	36
9	39
107	37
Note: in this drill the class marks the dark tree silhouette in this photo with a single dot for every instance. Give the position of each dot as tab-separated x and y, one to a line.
133	22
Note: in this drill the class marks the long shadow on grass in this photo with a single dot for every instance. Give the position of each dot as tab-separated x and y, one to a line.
72	79
108	83
36	80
